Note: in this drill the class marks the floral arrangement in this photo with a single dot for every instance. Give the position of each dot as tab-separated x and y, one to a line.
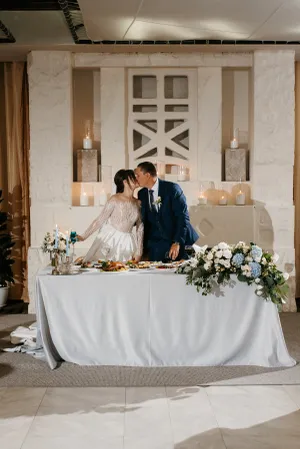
49	243
158	202
212	266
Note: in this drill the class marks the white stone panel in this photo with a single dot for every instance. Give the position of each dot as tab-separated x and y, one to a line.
274	103
209	123
273	184
163	60
50	103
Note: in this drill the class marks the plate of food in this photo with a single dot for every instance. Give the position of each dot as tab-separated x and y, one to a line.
113	267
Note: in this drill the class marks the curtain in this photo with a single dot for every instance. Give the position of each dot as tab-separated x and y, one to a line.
297	177
14	171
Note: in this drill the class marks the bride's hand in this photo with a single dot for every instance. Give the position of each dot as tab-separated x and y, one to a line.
79	238
137	259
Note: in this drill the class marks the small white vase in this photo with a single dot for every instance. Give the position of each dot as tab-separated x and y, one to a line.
3	296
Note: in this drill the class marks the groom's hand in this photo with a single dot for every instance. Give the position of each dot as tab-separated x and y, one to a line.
174	251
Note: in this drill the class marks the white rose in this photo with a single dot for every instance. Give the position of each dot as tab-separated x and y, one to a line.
227	264
210	256
61	245
222	245
286	276
257	259
259	292
219	254
259	287
257	280
275	257
248	259
263	261
193	262
248	274
207	266
227	253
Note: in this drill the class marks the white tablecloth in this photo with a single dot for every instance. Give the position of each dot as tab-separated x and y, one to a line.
141	319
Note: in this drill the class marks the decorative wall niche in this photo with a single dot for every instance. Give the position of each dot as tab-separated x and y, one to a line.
86	120
236	119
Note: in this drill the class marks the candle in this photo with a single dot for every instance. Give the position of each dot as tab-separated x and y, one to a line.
234	143
87	143
84	199
56	237
102	198
202	199
181	174
67	243
223	201
240	199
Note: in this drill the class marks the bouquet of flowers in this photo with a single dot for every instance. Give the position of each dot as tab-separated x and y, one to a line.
49	243
214	266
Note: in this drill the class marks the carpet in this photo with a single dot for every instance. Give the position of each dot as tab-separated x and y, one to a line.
21	370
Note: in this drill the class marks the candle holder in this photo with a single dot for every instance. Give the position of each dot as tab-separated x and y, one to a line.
205	191
55	271
160	168
66	266
84	199
87	141
182	173
202	198
223	201
234	143
240	198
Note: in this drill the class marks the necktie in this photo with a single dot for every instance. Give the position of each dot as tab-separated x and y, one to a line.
151	196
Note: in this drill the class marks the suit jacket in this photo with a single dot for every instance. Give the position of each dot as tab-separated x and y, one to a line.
171	222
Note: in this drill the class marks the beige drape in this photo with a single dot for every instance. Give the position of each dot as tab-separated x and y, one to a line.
14	170
297	177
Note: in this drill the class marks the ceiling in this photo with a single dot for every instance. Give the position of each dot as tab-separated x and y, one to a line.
229	25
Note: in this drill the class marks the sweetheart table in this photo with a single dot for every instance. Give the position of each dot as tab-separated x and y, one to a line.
154	319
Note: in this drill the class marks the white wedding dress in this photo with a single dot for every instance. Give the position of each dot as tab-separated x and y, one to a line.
116	239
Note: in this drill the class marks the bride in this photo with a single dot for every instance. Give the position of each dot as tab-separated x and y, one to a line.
116	240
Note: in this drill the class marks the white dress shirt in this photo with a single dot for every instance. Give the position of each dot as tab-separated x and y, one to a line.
155	193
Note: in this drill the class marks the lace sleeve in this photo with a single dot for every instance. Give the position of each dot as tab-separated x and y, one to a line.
101	219
139	234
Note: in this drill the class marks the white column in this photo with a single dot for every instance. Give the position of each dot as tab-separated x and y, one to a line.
273	156
209	123
50	104
113	110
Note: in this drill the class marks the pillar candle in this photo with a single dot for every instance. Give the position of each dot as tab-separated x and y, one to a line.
240	199
84	199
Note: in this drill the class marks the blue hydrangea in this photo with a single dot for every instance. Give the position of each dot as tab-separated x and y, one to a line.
256	252
238	259
255	269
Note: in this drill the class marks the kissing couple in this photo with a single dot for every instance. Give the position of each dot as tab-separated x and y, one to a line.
159	215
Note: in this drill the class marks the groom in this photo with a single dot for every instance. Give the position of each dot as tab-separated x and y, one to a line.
165	215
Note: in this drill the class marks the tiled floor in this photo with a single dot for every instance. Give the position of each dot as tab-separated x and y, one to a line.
150	418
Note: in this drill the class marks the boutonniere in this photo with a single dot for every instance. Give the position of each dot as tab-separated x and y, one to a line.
158	202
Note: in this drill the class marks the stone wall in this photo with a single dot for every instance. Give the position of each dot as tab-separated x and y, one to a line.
50	80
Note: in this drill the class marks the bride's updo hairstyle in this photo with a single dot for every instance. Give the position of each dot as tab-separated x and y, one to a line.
121	176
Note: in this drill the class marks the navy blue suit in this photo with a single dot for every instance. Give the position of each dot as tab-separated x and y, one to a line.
169	224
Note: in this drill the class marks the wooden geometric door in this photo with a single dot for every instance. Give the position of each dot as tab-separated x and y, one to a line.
162	118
